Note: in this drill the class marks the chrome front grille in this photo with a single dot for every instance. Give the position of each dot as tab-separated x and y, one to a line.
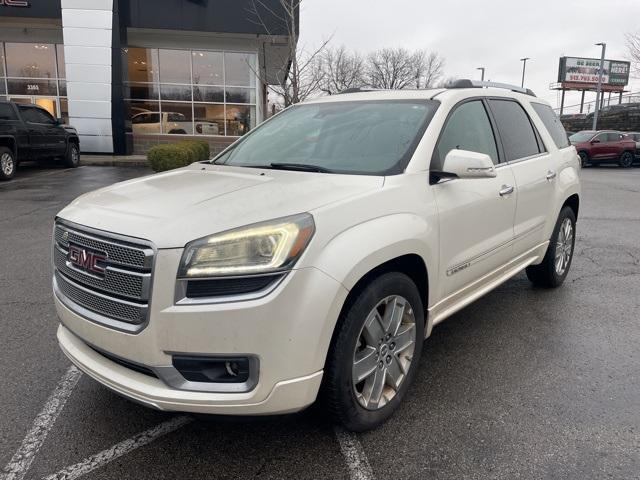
117	297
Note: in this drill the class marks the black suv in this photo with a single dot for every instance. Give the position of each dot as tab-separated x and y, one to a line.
28	132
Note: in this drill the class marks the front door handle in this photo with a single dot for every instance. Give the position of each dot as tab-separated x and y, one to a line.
506	190
551	175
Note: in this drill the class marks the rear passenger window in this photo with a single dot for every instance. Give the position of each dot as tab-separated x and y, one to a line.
614	137
468	128
552	124
517	133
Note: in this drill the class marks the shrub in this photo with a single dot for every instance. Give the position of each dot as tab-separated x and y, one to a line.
176	155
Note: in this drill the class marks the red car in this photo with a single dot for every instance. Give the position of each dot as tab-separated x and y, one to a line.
604	147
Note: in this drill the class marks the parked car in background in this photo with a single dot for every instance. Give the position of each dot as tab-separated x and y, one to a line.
635	136
606	146
172	123
29	132
357	222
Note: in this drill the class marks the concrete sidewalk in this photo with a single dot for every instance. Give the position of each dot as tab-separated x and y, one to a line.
113	160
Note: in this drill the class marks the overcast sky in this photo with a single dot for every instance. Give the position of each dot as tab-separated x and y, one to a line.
491	33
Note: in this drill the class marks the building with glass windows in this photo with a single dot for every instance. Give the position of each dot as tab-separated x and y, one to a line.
129	74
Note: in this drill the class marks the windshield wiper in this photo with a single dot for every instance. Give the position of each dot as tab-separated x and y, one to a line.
303	167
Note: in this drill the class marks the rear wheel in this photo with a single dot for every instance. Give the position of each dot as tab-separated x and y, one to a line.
584	159
375	353
555	266
626	160
7	163
72	157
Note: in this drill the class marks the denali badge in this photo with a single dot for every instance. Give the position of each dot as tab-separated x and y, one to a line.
83	259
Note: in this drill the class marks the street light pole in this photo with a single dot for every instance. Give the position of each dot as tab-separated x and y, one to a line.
524	68
599	89
481	78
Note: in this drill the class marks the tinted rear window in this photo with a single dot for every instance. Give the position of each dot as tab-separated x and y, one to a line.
517	134
6	112
552	123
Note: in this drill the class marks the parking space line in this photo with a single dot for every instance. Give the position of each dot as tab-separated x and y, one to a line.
46	174
356	459
19	464
102	458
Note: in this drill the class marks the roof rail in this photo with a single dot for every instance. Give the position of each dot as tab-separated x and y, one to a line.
358	90
466	83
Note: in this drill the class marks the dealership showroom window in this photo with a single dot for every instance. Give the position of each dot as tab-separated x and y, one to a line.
34	73
190	92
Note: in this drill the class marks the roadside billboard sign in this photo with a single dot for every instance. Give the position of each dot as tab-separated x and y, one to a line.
585	71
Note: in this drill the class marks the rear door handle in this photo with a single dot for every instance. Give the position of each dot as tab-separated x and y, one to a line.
551	175
506	190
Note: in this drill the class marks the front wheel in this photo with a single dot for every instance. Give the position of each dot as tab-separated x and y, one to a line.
555	265
626	160
7	164
72	158
375	353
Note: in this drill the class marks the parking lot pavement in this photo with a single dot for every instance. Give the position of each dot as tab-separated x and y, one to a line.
524	383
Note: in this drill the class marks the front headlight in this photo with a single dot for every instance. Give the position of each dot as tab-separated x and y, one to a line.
260	248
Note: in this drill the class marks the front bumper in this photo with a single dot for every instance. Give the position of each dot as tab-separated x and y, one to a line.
288	331
285	397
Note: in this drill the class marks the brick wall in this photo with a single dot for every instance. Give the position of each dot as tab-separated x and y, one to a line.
142	143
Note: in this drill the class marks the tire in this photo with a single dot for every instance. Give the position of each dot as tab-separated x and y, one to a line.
72	157
547	274
177	132
8	163
392	367
584	159
626	160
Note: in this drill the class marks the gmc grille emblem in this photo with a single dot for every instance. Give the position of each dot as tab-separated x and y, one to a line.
87	260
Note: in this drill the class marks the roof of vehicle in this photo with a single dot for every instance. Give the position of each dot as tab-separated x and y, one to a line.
456	89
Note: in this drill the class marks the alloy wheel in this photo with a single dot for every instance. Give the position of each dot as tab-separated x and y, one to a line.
75	156
384	352
564	246
6	163
626	160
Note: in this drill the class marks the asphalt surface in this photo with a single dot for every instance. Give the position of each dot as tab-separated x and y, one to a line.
524	383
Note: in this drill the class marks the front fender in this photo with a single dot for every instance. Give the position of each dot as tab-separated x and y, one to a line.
353	253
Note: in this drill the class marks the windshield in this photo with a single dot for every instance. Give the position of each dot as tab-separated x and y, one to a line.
361	137
581	137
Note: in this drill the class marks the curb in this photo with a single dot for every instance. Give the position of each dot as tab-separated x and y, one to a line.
113	163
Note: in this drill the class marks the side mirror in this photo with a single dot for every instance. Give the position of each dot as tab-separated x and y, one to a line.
59	121
466	164
595	141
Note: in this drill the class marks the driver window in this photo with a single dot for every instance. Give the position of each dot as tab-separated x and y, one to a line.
602	138
468	128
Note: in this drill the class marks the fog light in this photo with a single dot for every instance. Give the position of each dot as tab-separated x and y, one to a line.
212	369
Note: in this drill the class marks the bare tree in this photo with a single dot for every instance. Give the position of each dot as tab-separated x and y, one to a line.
633	44
398	68
390	68
428	69
303	73
342	70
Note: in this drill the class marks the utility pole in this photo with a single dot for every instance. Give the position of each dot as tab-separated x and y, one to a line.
524	68
599	89
481	78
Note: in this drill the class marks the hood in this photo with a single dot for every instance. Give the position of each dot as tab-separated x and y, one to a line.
176	207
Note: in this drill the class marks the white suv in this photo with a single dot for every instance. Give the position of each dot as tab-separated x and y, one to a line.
313	257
